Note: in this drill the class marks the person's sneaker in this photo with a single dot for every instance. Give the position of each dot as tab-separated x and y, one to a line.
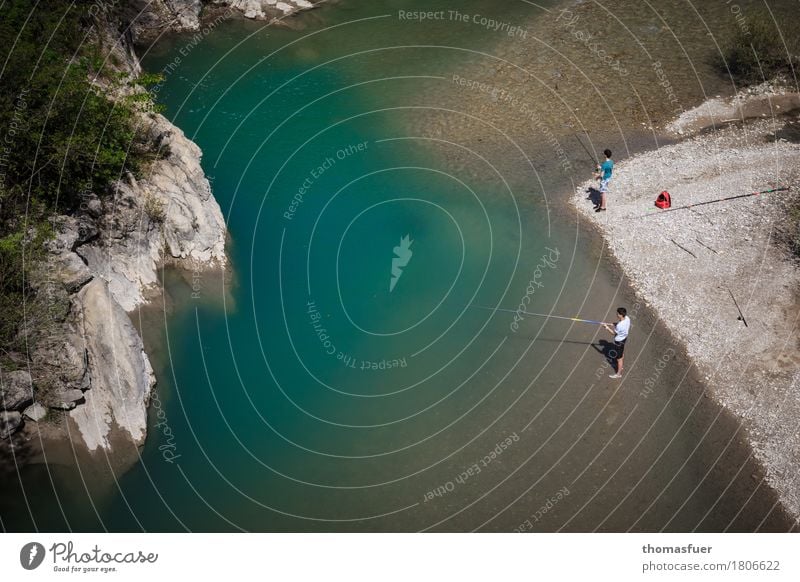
615	376
599	209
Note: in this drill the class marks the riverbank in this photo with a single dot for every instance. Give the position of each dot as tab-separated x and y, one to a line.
689	265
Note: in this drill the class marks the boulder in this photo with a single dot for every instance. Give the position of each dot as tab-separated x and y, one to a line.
94	207
16	390
58	360
65	399
10	422
70	270
150	18
35	412
87	228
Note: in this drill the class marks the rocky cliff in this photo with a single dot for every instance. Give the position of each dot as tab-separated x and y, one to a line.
168	217
87	377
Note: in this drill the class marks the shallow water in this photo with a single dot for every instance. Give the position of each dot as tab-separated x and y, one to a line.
323	390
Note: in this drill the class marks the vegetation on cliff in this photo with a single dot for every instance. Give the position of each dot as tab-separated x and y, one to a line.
61	136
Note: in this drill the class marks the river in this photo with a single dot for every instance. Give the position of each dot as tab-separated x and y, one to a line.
348	376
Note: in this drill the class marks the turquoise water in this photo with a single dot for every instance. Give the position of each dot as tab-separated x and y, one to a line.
319	423
324	390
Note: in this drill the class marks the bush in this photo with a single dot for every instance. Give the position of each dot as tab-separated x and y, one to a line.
757	52
154	209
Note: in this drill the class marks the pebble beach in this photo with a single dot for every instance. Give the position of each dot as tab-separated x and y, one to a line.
697	267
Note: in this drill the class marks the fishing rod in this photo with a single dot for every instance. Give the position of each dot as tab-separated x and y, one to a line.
542	315
690	206
596	163
741	315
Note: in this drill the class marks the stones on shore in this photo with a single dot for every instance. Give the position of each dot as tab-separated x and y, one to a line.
754	102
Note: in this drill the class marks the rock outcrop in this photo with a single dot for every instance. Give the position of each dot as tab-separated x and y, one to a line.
35	412
87	357
151	18
168	217
86	360
16	390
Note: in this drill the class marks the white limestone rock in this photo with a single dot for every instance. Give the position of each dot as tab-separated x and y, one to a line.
35	412
134	243
121	374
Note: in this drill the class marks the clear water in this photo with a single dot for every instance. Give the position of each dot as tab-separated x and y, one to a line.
314	394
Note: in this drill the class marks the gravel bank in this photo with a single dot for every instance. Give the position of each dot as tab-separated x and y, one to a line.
729	247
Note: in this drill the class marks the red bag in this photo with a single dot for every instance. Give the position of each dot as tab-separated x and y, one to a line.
664	200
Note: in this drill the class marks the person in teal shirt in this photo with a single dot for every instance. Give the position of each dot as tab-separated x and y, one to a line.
603	173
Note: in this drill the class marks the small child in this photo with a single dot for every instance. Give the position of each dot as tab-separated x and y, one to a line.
603	173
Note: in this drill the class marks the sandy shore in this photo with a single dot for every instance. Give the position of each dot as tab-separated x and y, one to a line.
686	264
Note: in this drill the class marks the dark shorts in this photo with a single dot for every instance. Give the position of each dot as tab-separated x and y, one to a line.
619	349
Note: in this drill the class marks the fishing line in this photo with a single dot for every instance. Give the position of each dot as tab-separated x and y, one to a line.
542	315
596	163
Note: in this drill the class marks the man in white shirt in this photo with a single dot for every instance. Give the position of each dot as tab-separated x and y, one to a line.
620	332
